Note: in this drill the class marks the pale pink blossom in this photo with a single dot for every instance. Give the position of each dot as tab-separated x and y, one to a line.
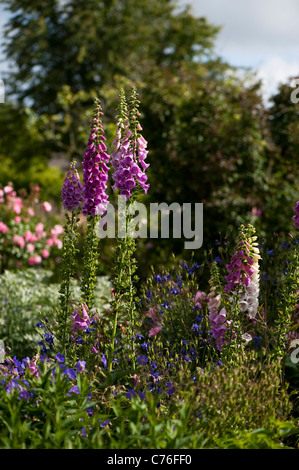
155	331
33	260
50	242
56	231
17	205
47	206
45	253
58	243
30	247
3	227
30	212
30	237
8	189
18	240
39	230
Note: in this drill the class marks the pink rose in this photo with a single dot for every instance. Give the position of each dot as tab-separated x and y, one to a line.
8	189
30	237
45	253
30	212
47	206
3	227
33	260
56	231
39	230
17	205
17	219
30	248
50	242
18	240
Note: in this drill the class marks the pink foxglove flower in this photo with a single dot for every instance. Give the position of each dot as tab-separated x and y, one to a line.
155	331
217	318
128	157
243	272
81	318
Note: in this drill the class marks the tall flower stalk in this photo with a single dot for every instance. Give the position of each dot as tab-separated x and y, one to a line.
217	315
242	292
95	176
243	272
128	162
72	199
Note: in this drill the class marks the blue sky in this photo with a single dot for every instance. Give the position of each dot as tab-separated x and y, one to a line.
261	34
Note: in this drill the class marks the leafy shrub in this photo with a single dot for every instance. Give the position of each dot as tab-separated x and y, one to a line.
27	296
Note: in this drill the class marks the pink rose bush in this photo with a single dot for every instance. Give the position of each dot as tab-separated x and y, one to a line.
26	236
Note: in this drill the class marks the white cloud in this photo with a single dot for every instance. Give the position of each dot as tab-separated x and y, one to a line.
260	34
274	71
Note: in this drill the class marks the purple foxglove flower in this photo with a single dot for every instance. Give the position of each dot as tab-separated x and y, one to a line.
296	216
72	190
95	169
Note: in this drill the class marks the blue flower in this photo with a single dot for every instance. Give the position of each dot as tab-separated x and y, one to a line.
49	338
218	260
71	373
80	366
158	278
75	390
104	423
104	361
170	391
59	357
174	291
166	305
130	393
149	295
270	252
142	360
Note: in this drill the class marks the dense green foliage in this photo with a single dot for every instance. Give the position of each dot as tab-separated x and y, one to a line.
210	137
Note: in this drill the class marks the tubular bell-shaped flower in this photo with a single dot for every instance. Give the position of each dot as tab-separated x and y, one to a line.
296	216
95	169
72	190
130	151
243	272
